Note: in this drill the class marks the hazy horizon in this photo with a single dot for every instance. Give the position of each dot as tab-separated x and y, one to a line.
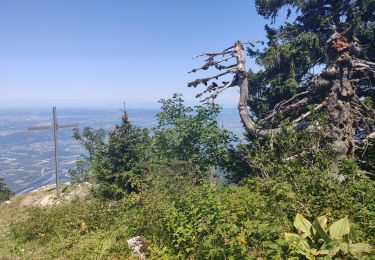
99	106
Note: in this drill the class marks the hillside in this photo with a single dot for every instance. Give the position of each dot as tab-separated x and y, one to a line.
179	219
162	185
40	225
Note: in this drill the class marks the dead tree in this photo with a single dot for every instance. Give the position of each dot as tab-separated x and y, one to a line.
338	90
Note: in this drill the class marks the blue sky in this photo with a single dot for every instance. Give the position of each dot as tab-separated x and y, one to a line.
97	53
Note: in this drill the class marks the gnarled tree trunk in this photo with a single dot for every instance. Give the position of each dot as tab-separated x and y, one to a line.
337	90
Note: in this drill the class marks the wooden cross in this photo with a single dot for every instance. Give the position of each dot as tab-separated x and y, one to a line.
55	127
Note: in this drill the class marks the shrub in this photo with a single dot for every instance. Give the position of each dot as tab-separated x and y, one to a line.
120	164
116	164
198	221
191	134
92	142
5	192
185	217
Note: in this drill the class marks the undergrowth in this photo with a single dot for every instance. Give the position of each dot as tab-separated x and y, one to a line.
184	220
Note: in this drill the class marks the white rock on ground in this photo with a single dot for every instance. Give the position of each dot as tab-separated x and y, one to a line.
139	245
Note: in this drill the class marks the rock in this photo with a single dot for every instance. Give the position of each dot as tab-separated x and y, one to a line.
46	196
138	245
48	200
7	202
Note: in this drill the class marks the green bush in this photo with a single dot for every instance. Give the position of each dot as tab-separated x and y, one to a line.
198	221
160	182
191	134
116	164
92	142
187	218
5	192
249	220
120	160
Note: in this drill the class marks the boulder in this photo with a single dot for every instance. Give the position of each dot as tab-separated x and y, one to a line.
138	245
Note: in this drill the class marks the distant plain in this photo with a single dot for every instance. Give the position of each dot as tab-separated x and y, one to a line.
26	157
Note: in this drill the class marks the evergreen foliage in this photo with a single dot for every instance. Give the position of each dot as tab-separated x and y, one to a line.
118	161
296	49
5	192
117	166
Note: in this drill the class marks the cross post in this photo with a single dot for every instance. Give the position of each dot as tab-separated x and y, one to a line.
55	127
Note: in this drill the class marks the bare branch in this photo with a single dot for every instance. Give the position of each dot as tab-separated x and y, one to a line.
290	158
240	79
359	63
212	63
223	52
283	103
282	110
303	116
339	88
219	89
205	81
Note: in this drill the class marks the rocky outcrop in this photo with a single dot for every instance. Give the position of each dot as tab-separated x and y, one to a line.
46	196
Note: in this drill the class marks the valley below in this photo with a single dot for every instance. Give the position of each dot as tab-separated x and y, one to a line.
26	157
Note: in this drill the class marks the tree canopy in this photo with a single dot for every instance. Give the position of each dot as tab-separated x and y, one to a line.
297	48
317	72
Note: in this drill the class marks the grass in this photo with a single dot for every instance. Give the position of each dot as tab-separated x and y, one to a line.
182	221
78	229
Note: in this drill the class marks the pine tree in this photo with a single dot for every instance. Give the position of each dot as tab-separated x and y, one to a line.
320	62
118	166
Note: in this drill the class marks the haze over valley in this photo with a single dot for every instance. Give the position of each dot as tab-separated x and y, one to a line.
26	157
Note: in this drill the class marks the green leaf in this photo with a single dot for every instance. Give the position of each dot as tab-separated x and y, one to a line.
321	232
339	228
302	225
303	245
323	221
298	241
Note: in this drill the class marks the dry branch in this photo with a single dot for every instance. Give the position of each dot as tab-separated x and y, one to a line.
337	89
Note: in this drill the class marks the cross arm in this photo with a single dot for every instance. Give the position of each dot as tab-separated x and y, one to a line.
68	126
39	128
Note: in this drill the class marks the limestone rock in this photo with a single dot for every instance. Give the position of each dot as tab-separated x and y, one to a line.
138	245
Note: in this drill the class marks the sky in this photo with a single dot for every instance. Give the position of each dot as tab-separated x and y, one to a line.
100	53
